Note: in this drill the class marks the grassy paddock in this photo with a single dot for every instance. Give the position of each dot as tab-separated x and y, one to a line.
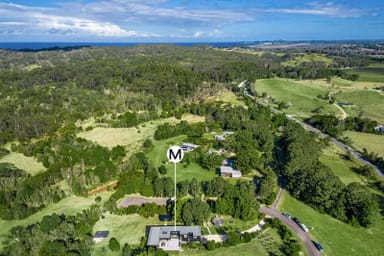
332	157
302	96
374	73
133	137
28	164
337	237
370	103
308	58
69	206
252	248
372	142
229	97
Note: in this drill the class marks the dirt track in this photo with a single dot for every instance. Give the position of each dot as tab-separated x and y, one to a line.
141	200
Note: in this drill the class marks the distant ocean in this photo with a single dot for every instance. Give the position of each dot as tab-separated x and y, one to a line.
47	45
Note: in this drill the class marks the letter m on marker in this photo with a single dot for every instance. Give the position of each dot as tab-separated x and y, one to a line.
176	156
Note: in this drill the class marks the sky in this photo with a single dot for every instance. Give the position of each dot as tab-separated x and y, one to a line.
189	21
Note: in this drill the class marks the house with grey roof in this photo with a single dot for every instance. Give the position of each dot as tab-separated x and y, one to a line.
187	147
227	170
170	239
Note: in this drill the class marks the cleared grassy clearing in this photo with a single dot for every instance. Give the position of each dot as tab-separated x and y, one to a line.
370	103
133	137
252	248
337	237
28	164
229	97
308	58
332	157
373	73
301	96
69	206
372	142
126	229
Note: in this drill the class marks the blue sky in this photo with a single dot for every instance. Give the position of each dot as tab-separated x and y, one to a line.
188	21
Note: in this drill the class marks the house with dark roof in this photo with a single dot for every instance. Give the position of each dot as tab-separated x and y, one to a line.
170	239
100	236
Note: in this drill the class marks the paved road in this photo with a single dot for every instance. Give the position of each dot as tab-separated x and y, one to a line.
295	228
322	135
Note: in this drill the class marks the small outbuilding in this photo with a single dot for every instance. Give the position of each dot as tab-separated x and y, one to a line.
218	222
100	236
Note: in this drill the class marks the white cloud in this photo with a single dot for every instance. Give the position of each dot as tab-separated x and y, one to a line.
35	20
314	8
213	33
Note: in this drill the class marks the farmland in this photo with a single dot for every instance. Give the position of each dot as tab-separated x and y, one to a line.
372	73
372	142
301	97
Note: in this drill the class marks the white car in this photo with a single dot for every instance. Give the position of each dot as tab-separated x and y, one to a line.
303	227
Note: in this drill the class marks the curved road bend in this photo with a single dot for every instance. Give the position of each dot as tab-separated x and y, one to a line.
295	228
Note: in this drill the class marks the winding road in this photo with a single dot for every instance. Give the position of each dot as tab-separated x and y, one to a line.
322	135
295	228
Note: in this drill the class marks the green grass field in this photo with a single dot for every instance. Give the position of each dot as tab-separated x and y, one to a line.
372	73
252	248
131	138
69	206
302	96
332	157
308	58
126	229
158	154
372	142
229	97
28	164
370	103
337	238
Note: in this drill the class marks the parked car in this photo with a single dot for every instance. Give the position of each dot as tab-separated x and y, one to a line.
285	214
303	227
296	220
318	246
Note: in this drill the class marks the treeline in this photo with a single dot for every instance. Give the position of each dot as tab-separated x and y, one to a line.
167	130
334	126
315	184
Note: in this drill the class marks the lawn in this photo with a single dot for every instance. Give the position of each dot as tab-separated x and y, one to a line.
332	157
69	206
337	237
370	103
302	96
372	142
28	164
158	154
252	248
126	229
